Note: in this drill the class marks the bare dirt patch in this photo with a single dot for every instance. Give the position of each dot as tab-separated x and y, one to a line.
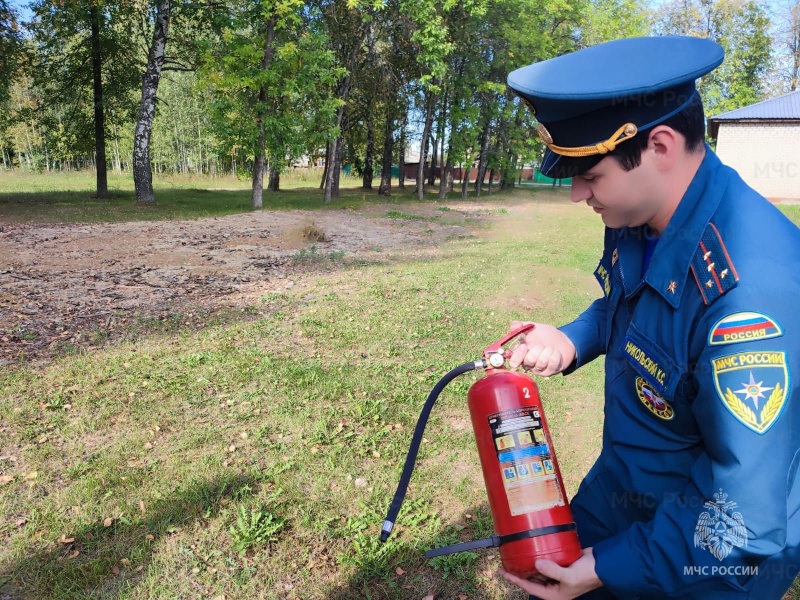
78	286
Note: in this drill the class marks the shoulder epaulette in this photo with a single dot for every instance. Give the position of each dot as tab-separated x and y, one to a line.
712	267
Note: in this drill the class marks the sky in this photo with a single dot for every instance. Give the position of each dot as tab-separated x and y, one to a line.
21	6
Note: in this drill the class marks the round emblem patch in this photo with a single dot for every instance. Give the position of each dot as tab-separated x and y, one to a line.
654	403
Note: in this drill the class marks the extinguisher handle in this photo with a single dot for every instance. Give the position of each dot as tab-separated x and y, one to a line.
498	345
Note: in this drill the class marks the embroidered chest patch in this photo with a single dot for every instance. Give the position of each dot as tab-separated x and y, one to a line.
743	327
752	385
646	363
654	403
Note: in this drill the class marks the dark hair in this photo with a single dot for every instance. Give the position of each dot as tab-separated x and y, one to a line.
689	122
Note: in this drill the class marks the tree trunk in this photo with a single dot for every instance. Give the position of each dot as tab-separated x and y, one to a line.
465	176
423	145
337	145
366	182
482	159
337	174
401	152
257	188
385	188
434	161
258	159
274	179
329	167
332	184
142	172
117	157
438	155
324	179
99	120
446	180
508	166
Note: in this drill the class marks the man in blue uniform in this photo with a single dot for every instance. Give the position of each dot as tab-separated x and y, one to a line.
695	493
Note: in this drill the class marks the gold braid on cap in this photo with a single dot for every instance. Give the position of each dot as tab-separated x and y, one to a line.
622	134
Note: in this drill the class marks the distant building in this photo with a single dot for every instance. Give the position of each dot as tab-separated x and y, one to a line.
412	165
762	142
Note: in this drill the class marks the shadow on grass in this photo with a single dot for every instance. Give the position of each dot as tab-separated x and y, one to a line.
101	560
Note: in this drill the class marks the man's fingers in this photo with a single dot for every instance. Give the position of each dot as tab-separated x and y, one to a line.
554	364
532	357
517	356
515	325
550	569
543	360
531	587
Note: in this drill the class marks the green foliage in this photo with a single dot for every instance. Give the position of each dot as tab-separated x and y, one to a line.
373	557
606	20
268	70
459	564
255	527
10	46
292	76
741	28
396	214
61	40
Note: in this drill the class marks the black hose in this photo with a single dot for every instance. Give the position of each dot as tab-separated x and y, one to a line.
416	440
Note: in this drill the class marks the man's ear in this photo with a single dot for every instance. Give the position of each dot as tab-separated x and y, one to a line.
666	145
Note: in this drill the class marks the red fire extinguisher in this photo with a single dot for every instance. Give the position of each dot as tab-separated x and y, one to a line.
529	505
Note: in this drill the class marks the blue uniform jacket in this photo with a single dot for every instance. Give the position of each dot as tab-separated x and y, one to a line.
701	395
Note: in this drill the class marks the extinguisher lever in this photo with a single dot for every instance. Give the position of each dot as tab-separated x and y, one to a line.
497	347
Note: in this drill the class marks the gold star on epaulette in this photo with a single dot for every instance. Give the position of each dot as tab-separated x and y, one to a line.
673	285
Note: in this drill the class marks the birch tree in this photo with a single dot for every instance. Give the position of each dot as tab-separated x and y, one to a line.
142	171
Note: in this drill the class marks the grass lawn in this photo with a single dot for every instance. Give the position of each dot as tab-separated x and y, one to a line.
256	459
68	197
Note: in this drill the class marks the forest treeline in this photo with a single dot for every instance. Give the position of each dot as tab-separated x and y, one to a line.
253	87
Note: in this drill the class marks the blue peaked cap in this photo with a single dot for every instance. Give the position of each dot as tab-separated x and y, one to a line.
588	102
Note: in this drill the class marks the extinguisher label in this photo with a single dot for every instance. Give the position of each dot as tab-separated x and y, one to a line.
526	463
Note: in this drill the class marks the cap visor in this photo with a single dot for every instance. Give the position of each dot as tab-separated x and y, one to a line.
557	166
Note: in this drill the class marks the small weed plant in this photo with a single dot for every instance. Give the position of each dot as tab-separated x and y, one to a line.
255	527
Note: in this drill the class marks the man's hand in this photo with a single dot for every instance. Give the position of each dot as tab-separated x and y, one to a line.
545	351
564	583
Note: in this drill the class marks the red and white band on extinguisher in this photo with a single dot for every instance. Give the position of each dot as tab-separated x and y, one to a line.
530	510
